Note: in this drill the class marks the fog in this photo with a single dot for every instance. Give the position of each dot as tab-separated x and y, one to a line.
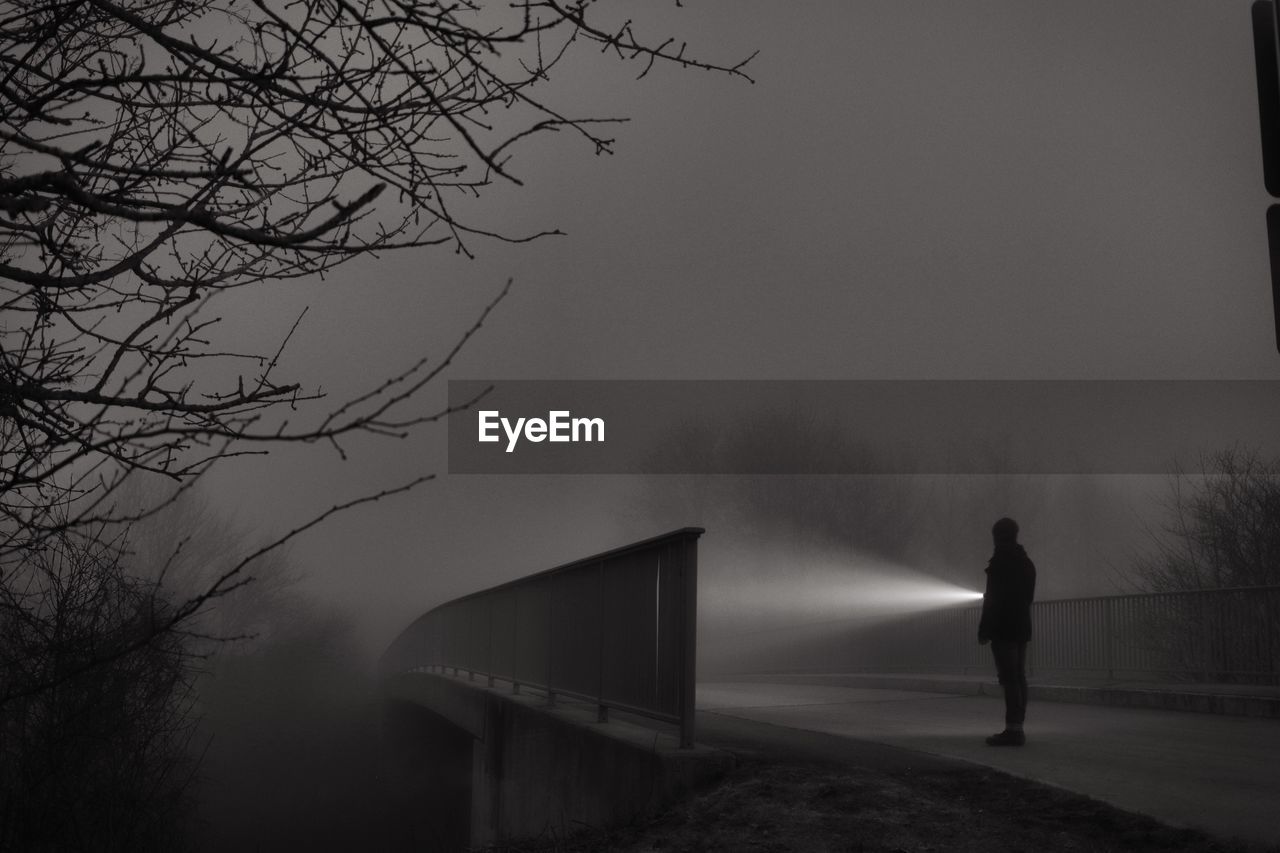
291	726
934	190
926	190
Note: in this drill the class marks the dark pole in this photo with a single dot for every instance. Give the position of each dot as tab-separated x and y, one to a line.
1267	67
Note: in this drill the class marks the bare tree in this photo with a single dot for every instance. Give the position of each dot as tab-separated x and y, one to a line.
1220	536
1221	527
155	154
102	762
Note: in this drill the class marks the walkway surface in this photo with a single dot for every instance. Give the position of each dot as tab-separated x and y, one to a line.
1208	771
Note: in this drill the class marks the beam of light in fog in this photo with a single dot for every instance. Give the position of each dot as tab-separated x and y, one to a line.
782	607
770	588
903	594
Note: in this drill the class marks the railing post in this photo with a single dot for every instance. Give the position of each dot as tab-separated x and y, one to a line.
515	642
688	638
1269	604
549	601
1206	638
1108	638
602	710
488	658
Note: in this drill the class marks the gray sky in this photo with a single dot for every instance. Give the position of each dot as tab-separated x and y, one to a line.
930	190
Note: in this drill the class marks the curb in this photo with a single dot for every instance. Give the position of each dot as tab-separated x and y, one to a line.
1230	704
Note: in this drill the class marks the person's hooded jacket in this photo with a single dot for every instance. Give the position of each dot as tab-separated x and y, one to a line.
1011	587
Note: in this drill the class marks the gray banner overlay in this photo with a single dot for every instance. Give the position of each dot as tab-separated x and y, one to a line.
854	427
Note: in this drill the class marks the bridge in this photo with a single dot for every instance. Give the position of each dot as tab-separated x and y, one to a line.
572	696
561	698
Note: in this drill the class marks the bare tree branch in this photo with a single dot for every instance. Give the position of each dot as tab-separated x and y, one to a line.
154	155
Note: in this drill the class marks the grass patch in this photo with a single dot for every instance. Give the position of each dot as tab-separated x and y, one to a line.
772	807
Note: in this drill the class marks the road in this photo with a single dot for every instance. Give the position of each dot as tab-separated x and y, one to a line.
1207	771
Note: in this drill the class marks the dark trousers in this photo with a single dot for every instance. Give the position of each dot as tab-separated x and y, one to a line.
1011	669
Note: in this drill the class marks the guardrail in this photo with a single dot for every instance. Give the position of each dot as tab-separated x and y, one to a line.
1209	634
1228	635
616	629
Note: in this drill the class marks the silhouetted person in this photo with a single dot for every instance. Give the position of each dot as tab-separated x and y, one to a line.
1006	624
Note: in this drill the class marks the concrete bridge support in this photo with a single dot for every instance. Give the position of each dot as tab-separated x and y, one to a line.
540	771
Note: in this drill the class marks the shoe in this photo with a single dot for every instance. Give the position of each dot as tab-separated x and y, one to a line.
1007	738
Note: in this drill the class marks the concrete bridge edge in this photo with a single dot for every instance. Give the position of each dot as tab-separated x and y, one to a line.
540	771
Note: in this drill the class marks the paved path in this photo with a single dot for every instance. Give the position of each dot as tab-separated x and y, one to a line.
1216	773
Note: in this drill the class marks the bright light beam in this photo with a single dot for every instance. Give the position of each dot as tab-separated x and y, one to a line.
773	588
901	594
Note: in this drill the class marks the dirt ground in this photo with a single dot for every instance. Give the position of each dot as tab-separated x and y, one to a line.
770	806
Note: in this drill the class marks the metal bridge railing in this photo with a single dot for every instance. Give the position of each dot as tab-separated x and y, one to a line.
1224	635
617	629
1208	635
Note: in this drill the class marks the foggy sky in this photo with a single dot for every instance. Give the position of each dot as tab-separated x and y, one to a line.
929	190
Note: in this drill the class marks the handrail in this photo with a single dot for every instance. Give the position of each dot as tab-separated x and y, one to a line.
1038	604
1205	634
617	628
